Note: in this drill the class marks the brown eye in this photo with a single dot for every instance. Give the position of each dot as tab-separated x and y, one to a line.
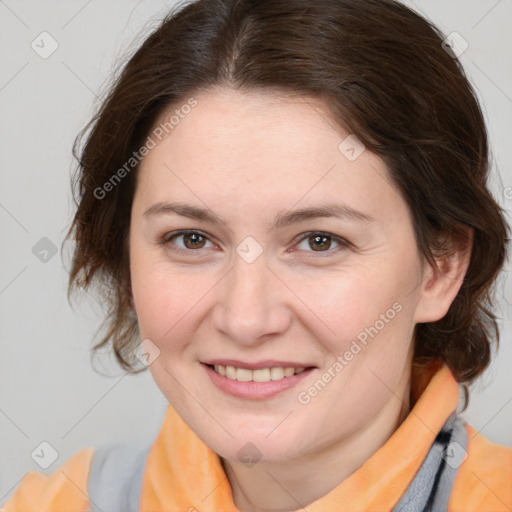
193	241
320	242
184	241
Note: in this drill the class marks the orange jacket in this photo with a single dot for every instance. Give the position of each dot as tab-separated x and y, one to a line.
174	481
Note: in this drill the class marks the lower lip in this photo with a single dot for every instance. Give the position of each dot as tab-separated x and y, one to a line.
254	390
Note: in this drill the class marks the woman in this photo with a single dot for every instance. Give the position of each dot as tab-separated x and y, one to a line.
286	202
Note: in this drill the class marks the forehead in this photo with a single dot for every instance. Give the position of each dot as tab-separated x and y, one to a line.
259	148
230	124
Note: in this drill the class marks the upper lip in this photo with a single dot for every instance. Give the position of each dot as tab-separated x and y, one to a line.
261	364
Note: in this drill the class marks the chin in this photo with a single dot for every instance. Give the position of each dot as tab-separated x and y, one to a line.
256	451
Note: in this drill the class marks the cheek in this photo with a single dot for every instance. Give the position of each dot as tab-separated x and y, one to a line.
335	307
154	294
364	321
343	305
166	299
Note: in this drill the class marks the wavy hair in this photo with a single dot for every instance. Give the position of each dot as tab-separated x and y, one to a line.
385	75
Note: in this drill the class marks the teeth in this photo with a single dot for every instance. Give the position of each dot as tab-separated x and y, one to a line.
276	373
220	368
259	375
243	375
288	372
230	372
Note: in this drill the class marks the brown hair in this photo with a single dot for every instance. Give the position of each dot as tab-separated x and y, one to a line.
383	73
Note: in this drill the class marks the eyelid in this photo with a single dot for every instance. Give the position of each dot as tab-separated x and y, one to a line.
308	234
167	237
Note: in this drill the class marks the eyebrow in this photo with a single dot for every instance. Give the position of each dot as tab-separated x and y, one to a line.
341	211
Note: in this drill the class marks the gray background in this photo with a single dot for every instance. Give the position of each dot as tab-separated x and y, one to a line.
48	389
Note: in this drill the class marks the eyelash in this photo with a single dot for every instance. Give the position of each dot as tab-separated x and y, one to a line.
167	238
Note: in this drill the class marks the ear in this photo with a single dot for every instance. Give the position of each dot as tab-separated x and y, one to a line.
440	286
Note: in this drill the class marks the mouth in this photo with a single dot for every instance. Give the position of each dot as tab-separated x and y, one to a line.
255	380
257	375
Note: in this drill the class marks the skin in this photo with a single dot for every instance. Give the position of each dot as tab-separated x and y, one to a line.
249	157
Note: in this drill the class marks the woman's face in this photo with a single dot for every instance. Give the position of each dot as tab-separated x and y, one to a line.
299	253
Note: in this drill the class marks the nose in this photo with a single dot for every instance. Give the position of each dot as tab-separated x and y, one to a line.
251	303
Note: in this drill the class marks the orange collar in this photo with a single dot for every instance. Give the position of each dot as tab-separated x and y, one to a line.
183	473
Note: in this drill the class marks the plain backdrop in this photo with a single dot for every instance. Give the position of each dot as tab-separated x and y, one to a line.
49	391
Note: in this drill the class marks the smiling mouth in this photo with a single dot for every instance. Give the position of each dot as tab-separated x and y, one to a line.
258	375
